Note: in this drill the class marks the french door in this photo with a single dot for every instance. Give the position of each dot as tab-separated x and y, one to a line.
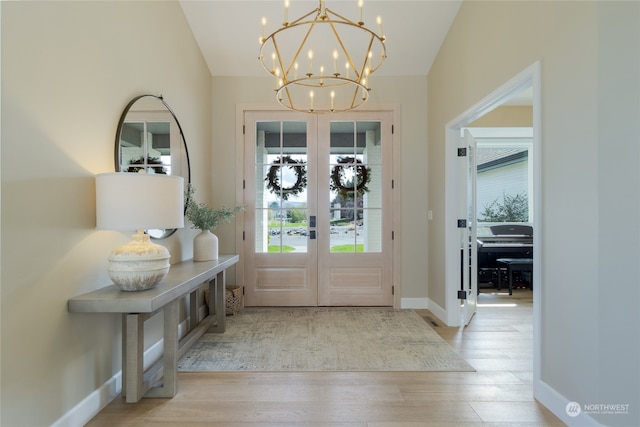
318	219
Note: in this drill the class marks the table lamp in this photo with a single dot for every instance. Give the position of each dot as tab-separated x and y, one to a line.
139	201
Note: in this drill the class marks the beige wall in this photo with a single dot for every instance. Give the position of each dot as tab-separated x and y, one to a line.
589	53
506	116
408	92
68	70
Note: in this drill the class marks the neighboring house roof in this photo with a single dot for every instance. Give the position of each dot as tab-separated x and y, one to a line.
489	159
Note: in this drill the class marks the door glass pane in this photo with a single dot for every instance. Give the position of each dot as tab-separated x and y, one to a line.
355	168
281	187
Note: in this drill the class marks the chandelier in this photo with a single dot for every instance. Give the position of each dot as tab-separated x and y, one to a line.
322	61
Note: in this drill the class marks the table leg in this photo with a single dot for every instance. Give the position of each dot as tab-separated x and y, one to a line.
170	356
193	309
169	387
133	333
217	288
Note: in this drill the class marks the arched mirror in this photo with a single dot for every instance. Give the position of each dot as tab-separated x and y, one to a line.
149	138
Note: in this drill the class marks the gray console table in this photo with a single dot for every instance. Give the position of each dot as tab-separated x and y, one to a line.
183	279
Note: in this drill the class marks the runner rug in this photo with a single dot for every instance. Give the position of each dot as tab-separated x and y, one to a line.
323	339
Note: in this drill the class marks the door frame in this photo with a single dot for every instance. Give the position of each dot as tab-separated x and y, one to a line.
529	77
396	208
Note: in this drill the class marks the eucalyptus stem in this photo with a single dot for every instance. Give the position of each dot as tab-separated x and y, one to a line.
203	217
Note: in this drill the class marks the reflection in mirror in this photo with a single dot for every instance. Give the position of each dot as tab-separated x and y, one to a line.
145	146
150	139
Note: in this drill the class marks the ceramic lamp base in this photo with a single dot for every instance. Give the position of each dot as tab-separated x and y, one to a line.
138	265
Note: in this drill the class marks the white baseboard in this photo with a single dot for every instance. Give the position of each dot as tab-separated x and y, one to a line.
437	310
422	304
413	303
97	400
91	405
557	404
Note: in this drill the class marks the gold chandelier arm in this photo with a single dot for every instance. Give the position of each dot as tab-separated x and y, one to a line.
304	41
364	63
354	98
344	49
342	18
272	36
299	20
289	97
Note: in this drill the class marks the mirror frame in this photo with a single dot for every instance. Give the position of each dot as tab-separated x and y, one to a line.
168	232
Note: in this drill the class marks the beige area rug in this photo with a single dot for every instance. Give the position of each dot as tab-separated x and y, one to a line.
323	339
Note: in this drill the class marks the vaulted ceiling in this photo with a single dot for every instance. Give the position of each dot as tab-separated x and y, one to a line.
228	30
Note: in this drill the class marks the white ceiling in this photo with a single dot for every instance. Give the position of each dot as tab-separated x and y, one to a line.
228	30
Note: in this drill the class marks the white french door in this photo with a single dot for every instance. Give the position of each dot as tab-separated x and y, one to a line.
318	219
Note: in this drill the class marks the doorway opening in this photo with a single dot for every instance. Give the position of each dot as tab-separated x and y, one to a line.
503	198
460	242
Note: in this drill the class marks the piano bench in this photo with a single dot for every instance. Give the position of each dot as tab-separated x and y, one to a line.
515	264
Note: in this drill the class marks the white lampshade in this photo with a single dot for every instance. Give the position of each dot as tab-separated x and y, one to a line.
139	201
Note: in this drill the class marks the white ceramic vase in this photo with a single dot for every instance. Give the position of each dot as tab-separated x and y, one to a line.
205	246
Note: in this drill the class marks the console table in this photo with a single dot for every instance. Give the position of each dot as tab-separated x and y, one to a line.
184	278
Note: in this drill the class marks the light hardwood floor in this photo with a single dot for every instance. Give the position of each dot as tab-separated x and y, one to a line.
498	344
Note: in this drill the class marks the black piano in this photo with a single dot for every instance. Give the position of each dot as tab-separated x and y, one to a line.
505	241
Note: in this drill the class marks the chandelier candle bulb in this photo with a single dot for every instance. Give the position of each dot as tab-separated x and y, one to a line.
264	29
286	13
311	101
310	56
333	95
360	12
295	71
347	67
280	81
335	62
379	19
321	75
